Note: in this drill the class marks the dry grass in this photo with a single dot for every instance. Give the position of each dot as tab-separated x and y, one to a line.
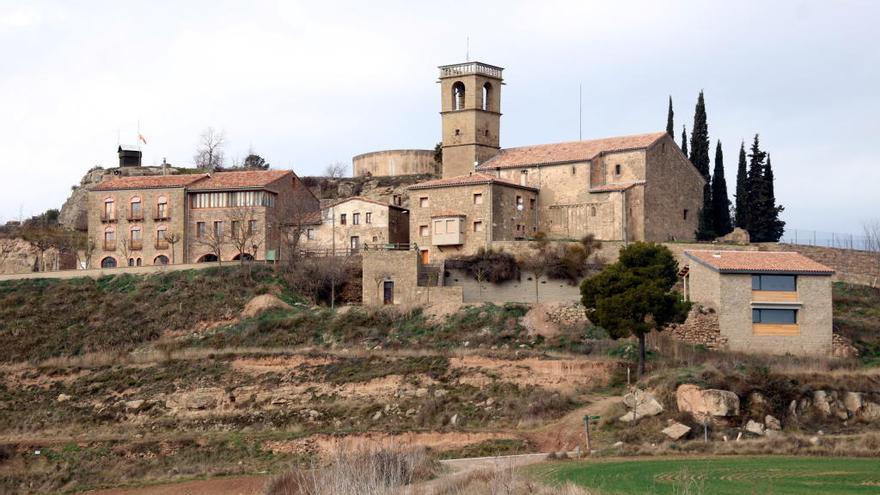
863	445
500	480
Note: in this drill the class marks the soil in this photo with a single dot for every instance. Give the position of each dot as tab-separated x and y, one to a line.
243	485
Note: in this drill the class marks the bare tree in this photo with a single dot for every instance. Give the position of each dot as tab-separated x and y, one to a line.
173	238
209	154
213	238
243	231
124	246
336	170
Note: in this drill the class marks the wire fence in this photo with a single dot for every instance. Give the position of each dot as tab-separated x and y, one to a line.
830	239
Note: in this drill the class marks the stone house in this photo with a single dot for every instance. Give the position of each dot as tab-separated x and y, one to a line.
353	222
458	215
395	275
157	220
767	302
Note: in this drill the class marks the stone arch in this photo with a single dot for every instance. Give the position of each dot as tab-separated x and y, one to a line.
160	260
108	262
243	256
487	96
458	93
208	258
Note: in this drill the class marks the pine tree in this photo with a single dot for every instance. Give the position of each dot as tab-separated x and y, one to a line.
765	225
720	202
700	159
684	141
742	189
669	117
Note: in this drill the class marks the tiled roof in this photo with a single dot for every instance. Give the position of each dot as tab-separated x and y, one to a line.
361	198
616	187
572	151
468	180
245	179
447	213
149	182
758	261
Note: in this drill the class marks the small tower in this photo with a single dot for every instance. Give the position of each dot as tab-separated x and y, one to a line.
129	156
470	107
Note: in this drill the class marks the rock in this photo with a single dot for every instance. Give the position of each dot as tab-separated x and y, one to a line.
757	403
377	416
642	404
737	236
454	420
841	347
134	405
490	401
618	444
772	423
410	412
852	401
192	400
712	402
754	427
821	403
262	303
814	440
870	411
792	409
676	430
63	398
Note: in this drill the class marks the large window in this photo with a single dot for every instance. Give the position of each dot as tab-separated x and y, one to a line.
787	283
135	210
775	316
231	199
200	229
162	208
355	218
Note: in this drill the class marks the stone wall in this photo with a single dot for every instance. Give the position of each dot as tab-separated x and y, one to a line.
672	185
700	328
522	290
395	162
401	268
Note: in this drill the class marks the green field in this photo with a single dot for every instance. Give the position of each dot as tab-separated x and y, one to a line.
721	475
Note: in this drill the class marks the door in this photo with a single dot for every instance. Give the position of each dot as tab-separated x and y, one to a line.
388	293
426	256
355	243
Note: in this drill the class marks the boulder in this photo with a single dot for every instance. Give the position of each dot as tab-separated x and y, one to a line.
870	411
642	404
262	303
754	427
772	423
676	430
63	398
377	416
454	420
193	401
852	401
737	236
757	403
711	402
134	405
821	402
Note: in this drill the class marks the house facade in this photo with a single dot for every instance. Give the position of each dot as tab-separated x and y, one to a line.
457	216
767	302
157	220
351	223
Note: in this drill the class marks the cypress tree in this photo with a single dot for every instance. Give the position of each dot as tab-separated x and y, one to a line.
700	159
720	202
684	141
742	190
754	182
765	225
669	114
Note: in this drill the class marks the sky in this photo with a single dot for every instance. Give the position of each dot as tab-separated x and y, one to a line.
306	84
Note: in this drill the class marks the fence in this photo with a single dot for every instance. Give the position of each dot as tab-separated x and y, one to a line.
829	239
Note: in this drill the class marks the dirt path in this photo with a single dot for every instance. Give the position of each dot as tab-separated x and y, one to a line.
568	432
244	485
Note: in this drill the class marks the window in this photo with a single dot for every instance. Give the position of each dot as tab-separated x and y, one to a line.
775	316
252	227
200	229
160	233
310	234
487	95
108	262
161	241
136	212
228	199
131	262
519	203
423	230
592	211
138	262
397	200
478	198
218	229
423	202
438	226
135	235
684	214
355	242
523	177
458	132
478	226
161	260
109	210
236	228
573	170
450	226
532	203
375	239
787	283
355	218
342	218
368	217
109	240
458	95
162	208
617	169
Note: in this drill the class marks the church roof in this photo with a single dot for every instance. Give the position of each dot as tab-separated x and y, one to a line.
568	152
473	178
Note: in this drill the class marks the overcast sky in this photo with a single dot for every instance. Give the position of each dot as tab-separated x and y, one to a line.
310	83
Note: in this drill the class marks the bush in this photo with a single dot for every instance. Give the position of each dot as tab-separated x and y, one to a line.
488	265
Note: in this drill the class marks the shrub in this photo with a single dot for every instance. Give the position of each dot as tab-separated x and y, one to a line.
488	265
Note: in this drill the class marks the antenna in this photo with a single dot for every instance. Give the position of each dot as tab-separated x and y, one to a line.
580	112
467	51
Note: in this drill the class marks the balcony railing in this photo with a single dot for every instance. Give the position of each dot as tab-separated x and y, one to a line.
162	244
108	217
470	68
161	216
136	245
109	245
136	216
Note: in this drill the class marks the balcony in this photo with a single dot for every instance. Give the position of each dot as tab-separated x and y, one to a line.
136	216
162	216
162	244
136	245
108	217
447	231
109	245
468	68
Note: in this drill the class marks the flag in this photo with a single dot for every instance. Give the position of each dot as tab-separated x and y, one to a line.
141	137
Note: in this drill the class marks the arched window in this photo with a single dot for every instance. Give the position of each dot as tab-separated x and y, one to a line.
135	240
135	209
161	260
131	262
108	262
208	258
161	237
138	262
109	212
162	208
458	96
109	239
487	95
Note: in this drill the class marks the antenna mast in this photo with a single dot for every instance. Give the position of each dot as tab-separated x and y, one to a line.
467	51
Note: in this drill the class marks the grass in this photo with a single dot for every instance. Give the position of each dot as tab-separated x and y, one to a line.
721	475
857	317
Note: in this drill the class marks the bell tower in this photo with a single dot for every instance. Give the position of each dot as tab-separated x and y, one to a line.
470	107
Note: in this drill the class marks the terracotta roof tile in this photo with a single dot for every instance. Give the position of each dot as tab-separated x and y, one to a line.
758	261
468	180
149	182
240	179
572	151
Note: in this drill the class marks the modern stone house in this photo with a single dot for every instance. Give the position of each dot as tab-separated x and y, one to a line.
157	220
354	222
767	302
458	215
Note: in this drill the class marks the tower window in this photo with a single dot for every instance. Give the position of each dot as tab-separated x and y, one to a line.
458	96
487	133
685	214
487	94
458	132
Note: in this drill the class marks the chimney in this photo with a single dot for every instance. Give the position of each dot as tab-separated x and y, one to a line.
129	156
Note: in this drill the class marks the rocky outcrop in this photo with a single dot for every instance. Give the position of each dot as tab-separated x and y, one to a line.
19	256
738	236
641	404
700	328
676	430
841	347
702	403
383	189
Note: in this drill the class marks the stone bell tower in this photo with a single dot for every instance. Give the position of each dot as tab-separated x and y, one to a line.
470	107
